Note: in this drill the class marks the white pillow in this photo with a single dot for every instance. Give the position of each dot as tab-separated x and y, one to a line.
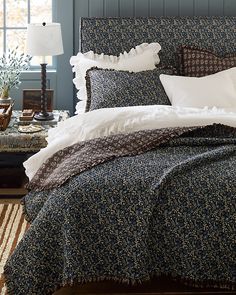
217	90
141	58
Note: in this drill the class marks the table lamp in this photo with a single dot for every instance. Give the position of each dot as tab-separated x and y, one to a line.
44	40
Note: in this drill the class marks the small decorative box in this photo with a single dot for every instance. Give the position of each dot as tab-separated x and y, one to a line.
27	115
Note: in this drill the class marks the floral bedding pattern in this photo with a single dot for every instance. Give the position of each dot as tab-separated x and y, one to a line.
215	33
169	210
108	88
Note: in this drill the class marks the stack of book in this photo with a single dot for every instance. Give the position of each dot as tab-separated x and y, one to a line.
27	115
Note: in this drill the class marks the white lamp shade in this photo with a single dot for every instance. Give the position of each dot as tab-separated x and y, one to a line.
44	39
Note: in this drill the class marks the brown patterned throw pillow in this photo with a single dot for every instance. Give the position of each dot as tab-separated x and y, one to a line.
195	62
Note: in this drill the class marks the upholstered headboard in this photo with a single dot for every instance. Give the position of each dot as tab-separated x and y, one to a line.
115	35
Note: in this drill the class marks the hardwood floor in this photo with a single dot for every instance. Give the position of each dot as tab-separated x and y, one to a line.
10	200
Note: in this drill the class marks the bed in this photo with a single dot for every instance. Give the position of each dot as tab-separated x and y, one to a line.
137	197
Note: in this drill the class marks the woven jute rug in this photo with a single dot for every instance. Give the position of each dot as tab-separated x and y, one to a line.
12	228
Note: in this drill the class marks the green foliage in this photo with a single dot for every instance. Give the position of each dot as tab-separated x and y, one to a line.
11	66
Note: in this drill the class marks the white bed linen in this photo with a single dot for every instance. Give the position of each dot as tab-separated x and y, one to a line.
217	90
104	122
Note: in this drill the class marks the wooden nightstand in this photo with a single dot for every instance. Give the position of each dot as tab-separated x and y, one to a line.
15	148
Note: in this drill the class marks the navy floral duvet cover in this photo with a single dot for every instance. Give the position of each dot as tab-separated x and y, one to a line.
168	209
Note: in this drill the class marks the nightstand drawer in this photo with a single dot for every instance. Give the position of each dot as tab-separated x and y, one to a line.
11	177
12	174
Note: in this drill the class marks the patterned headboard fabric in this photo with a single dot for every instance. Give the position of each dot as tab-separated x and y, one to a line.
115	35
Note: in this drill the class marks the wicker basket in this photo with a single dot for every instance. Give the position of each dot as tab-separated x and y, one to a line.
5	117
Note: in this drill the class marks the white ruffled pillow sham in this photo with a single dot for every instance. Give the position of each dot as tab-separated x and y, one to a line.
141	58
217	90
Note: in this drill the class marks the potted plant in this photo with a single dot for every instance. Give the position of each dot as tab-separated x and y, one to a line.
11	66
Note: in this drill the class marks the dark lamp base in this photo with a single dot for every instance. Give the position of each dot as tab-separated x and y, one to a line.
43	116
